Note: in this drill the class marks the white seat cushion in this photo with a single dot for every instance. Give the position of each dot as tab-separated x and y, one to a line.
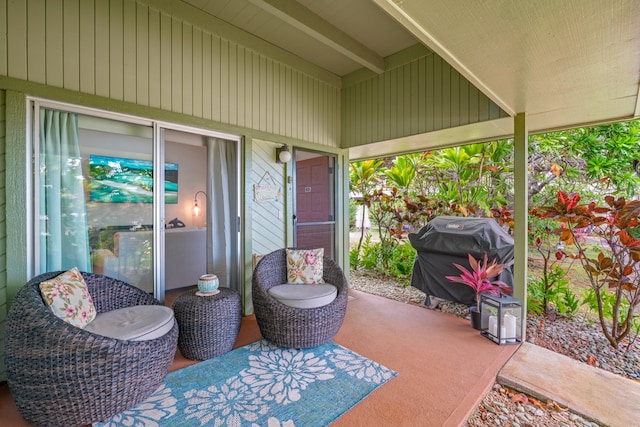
304	296
137	323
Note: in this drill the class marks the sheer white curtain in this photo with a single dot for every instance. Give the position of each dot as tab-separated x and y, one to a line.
64	240
222	190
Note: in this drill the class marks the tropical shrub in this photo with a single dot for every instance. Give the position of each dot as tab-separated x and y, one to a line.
364	178
543	294
400	258
614	272
370	254
403	256
354	258
380	207
574	160
552	287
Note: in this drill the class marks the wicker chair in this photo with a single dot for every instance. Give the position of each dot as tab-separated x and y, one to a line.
296	327
61	375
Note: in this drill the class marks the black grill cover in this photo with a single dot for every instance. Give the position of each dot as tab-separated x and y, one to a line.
445	240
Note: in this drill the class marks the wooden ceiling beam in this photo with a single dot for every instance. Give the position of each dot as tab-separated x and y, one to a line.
313	25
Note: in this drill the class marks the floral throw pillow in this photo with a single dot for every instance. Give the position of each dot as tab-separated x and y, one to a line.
68	297
304	265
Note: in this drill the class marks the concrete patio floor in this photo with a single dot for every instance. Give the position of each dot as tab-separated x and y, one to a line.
444	367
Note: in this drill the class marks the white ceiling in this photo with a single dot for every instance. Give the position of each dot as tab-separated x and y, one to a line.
564	63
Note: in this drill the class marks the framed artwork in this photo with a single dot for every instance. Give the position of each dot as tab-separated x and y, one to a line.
122	180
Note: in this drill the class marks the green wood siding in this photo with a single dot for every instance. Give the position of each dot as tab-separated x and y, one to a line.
3	230
130	51
168	61
419	96
267	228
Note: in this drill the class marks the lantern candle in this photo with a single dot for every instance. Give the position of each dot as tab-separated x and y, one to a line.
493	325
510	325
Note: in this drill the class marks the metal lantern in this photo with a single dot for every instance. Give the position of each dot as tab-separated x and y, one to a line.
502	317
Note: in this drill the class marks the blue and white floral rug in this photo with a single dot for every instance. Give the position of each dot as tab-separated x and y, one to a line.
261	385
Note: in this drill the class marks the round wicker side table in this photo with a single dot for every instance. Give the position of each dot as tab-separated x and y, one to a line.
209	325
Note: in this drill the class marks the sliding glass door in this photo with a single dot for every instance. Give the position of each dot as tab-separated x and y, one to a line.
95	196
202	233
103	204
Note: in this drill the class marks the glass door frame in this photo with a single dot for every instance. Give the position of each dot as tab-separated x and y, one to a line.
32	180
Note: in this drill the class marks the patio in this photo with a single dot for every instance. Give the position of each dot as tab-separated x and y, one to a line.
445	367
541	67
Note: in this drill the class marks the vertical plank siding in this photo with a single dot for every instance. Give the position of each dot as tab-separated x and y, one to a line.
421	96
130	51
3	231
267	228
87	47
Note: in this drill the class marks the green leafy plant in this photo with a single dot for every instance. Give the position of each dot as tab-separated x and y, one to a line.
569	303
363	179
403	256
354	258
479	277
381	205
399	257
370	257
535	295
542	298
552	287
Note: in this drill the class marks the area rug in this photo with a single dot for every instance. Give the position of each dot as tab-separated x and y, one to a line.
261	385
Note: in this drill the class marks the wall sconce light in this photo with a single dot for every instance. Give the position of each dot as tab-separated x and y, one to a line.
283	155
196	208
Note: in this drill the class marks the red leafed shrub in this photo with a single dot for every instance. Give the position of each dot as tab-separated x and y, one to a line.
614	272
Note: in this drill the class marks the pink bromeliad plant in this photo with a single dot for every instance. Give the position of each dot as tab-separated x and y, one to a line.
479	278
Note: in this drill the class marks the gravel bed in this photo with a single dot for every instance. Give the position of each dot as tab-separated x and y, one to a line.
577	338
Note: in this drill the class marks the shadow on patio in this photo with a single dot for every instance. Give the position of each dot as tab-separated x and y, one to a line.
444	366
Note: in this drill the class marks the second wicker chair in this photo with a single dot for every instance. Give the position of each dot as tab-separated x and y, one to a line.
296	327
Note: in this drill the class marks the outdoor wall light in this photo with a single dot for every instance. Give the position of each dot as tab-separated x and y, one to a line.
196	208
283	155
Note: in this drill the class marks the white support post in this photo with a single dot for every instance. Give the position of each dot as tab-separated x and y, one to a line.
521	202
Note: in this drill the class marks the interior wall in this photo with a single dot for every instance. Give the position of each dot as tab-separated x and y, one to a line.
192	173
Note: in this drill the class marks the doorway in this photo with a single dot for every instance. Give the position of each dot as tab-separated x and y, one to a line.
202	231
315	201
115	195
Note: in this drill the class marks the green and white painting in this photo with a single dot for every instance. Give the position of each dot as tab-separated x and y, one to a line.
121	180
